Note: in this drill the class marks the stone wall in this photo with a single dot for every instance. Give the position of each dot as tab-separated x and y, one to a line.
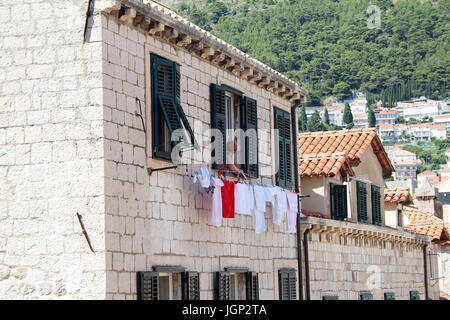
375	259
163	219
51	152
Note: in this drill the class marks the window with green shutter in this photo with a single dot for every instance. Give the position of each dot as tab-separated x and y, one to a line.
389	296
191	285
376	205
283	149
167	113
218	121
365	295
361	200
287	284
414	295
338	199
147	285
252	286
249	116
223	285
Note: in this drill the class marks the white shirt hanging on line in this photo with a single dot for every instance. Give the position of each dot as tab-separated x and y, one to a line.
203	177
216	218
243	195
281	207
291	216
259	209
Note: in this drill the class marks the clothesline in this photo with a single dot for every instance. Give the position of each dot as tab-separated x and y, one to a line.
230	197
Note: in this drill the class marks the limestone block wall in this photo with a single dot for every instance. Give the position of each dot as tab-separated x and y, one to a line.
163	219
51	152
345	265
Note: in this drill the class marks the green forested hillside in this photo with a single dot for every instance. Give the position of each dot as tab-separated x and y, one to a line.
326	44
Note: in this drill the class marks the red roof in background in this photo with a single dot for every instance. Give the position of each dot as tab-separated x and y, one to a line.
433	180
386	126
327	152
398	195
425	223
427	173
442	116
388	112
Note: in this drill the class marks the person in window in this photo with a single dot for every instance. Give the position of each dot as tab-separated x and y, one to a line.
232	149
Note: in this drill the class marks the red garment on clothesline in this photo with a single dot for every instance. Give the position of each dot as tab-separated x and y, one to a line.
228	199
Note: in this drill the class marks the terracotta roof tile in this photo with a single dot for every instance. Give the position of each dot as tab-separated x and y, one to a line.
336	150
398	195
315	214
427	173
425	224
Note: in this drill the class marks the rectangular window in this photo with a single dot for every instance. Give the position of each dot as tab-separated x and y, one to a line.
399	218
376	205
283	149
154	285
361	200
365	295
168	116
389	296
237	285
231	111
287	282
338	201
414	295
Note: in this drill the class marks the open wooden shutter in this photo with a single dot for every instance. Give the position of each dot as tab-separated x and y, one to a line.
376	205
218	121
361	199
284	158
338	201
147	285
250	117
252	286
288	148
287	284
191	286
223	285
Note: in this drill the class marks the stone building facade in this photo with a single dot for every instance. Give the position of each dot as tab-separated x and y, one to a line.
75	123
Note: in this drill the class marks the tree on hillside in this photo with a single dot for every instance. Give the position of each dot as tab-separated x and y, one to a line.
348	116
342	90
303	119
315	123
371	118
326	117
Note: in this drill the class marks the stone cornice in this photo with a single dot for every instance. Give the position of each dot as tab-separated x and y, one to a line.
160	21
362	231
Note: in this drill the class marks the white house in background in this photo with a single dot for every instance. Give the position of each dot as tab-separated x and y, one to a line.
360	120
443	119
426	131
358	106
420	109
445	172
336	114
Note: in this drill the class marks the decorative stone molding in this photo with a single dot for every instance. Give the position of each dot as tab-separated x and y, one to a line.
158	20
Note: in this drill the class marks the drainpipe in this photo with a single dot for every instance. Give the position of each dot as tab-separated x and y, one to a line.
297	190
305	244
425	271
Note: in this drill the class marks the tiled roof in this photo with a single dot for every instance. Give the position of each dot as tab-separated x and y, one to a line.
425	224
427	173
442	116
397	195
386	126
315	214
327	152
404	153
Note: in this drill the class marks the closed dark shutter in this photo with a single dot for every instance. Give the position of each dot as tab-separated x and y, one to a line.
376	205
414	295
287	285
284	158
361	199
366	296
191	286
147	285
218	121
250	117
338	201
252	286
330	298
389	296
222	285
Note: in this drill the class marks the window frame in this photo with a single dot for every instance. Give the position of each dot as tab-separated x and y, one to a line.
377	218
333	215
361	203
290	274
287	181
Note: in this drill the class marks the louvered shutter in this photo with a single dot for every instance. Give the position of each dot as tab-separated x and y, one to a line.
376	205
366	296
147	285
281	163
218	121
330	298
222	285
338	201
250	112
389	296
191	286
287	285
287	149
252	286
361	199
414	295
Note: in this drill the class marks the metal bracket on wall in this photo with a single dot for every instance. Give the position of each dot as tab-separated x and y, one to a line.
84	232
151	170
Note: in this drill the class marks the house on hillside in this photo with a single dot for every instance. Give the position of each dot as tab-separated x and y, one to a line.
342	179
